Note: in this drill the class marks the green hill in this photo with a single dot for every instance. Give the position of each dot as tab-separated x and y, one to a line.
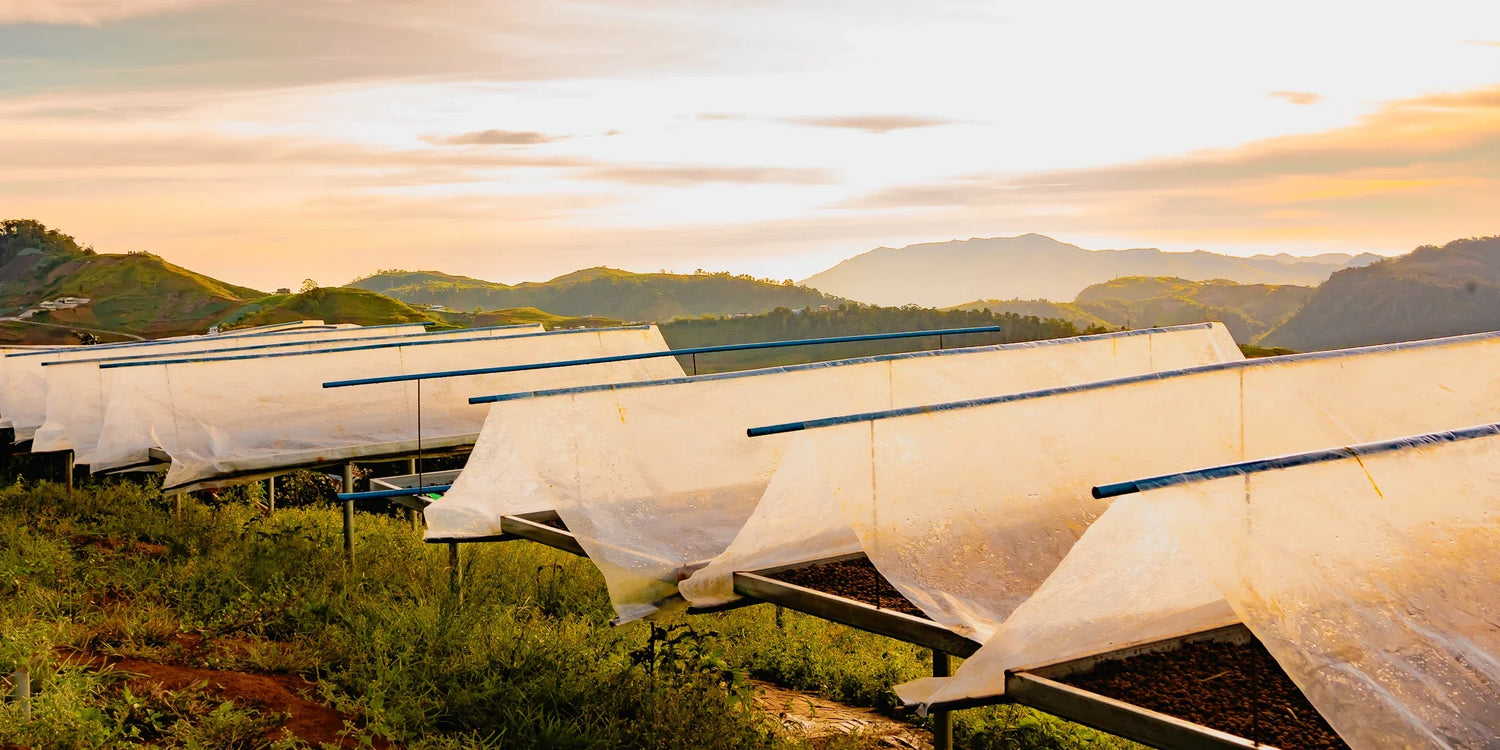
332	305
604	292
135	293
1248	310
521	315
1430	292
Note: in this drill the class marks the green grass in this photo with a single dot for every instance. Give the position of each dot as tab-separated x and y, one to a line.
527	659
331	305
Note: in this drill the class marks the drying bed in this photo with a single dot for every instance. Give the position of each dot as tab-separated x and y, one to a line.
846	589
853	578
1222	681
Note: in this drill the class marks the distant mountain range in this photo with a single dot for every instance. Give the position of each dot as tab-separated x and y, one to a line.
1034	266
1248	310
601	291
1433	291
1430	292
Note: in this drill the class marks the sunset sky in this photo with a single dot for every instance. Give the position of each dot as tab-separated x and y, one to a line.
264	141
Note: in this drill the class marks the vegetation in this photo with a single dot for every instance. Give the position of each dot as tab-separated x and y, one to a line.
1248	310
1431	292
522	315
334	305
604	292
109	575
848	319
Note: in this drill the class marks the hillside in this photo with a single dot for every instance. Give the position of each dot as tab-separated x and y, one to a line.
603	292
335	305
1032	266
135	293
522	315
1248	310
1430	292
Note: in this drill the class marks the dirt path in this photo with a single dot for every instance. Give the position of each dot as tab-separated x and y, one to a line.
306	719
816	718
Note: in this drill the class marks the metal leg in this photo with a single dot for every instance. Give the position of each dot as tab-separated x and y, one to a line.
455	572
68	470
349	515
270	495
942	721
20	690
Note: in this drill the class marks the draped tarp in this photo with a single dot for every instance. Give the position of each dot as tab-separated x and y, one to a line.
76	389
656	478
968	507
233	417
23	399
1372	578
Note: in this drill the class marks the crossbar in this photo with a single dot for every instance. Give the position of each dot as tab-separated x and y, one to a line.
654	355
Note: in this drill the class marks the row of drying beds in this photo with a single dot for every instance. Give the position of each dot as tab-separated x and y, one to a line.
1241	410
1075	369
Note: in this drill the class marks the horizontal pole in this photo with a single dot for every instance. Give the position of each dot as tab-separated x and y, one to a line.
669	353
1104	491
382	494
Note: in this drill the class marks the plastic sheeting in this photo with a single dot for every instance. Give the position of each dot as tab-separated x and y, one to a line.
655	478
967	508
1374	582
239	417
76	390
23	399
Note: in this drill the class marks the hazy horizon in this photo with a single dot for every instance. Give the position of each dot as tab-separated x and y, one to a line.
267	141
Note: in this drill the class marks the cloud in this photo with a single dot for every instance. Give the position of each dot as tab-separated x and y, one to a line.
90	12
870	123
1414	171
495	138
1298	97
685	176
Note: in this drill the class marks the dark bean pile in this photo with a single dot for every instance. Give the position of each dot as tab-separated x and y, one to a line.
853	579
1235	688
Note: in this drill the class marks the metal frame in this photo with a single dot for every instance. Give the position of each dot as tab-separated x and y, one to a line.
1040	687
759	585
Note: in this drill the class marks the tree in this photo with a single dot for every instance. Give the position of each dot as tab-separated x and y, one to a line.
308	285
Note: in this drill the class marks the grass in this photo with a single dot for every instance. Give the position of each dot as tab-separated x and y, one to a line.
527	659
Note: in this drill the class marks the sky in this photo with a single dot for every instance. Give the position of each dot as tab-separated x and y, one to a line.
268	141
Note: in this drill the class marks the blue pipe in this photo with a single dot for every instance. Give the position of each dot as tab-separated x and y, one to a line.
653	355
408	492
228	350
1106	491
351	348
872	416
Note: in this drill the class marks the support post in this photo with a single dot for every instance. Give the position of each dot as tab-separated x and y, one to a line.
349	515
68	470
20	690
942	721
411	513
455	572
270	495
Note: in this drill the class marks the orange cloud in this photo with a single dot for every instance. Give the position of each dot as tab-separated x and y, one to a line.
1298	97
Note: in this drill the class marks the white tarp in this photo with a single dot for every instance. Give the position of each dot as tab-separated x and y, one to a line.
23	400
223	418
966	508
76	389
655	477
1374	582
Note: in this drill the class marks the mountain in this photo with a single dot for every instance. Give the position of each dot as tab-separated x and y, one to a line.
1032	266
605	292
1430	292
1248	310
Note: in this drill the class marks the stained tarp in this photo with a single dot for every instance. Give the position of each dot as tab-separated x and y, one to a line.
654	478
968	507
226	418
76	389
1373	578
